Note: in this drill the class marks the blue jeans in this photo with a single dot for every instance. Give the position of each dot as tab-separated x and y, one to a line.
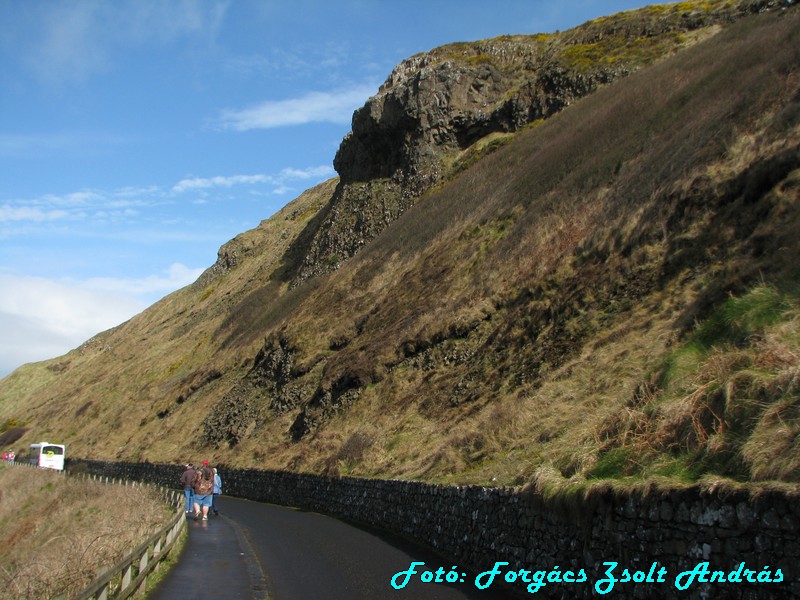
214	503
188	494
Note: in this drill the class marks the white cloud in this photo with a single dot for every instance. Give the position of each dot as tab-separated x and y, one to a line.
26	340
44	318
315	107
279	179
41	318
30	213
81	199
66	309
218	181
308	173
133	205
96	205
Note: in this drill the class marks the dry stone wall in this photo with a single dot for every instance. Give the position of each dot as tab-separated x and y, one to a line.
520	536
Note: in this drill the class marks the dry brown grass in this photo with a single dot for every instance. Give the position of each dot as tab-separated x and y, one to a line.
59	533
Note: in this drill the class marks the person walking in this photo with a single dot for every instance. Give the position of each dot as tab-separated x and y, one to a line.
217	492
186	481
203	485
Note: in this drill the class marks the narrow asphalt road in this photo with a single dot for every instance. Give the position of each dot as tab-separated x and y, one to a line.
256	551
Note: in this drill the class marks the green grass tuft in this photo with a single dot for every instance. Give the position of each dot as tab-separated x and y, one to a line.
738	319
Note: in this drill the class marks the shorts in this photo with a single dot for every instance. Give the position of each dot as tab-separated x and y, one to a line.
202	499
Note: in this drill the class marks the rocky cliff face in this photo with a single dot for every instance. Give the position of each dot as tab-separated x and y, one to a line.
443	101
436	105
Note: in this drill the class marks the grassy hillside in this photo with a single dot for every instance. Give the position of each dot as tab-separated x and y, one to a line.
503	321
611	292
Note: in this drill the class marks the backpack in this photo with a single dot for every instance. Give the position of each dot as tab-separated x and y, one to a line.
204	482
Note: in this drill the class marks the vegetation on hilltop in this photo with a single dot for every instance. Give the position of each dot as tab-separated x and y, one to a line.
609	292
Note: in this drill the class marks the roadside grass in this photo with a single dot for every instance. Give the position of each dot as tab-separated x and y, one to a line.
59	532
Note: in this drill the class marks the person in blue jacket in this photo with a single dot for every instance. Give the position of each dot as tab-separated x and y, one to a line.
217	492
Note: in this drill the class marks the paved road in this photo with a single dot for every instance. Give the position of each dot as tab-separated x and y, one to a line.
255	551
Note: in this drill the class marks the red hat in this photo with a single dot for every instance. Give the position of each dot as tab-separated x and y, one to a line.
205	463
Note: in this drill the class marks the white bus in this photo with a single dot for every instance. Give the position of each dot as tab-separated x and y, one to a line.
47	455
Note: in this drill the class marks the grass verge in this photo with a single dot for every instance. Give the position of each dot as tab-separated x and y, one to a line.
59	533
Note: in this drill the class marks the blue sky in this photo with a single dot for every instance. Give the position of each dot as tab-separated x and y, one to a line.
137	136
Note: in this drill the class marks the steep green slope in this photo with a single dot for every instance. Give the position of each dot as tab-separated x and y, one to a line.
609	292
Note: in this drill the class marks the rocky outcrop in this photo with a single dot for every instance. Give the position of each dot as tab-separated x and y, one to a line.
274	386
430	109
443	101
358	212
227	259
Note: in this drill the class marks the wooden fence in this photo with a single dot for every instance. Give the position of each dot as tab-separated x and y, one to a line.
129	575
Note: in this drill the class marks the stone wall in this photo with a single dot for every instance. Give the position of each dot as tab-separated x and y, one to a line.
473	527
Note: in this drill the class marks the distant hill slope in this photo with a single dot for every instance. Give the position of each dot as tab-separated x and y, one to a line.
605	290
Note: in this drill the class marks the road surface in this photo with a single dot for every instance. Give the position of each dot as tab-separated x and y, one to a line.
255	551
